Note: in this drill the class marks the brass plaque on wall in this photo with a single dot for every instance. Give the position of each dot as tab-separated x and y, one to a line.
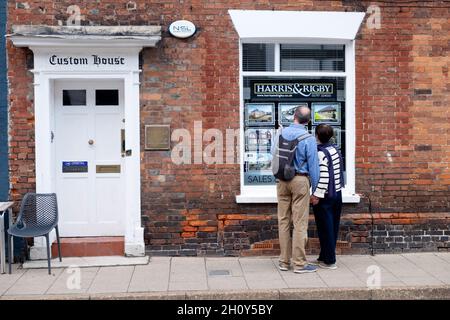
109	168
157	137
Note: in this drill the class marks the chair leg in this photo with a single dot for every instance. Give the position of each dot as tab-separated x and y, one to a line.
59	243
10	253
48	254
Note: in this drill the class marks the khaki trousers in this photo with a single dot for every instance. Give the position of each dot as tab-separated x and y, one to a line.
293	208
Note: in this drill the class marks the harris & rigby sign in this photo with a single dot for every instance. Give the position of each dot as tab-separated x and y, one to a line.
293	90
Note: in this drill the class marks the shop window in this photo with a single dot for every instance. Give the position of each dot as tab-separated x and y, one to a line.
270	102
287	59
277	78
107	97
74	97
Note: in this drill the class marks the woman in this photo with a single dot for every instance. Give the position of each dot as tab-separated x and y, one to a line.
327	199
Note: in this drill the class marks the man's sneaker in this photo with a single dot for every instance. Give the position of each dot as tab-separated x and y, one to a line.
283	266
306	269
331	266
316	262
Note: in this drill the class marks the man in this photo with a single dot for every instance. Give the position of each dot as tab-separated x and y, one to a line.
294	195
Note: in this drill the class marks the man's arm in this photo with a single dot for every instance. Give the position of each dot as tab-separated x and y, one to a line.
313	162
275	140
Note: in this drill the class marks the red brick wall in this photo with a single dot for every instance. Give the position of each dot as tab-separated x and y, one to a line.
402	159
402	133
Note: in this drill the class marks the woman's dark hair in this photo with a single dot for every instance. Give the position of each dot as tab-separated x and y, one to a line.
324	132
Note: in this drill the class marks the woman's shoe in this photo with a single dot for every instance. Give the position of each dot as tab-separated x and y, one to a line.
316	262
331	266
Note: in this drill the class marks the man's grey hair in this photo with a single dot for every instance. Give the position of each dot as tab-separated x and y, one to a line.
303	114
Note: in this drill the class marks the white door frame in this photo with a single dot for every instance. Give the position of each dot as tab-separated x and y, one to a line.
90	40
45	162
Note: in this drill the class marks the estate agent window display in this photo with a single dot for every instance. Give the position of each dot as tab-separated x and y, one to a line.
270	101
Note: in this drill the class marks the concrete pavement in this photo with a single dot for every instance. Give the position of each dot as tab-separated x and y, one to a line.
402	276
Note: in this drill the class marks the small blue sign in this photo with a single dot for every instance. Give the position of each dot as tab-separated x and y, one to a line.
74	166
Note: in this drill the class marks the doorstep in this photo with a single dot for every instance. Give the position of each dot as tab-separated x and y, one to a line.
85	262
90	247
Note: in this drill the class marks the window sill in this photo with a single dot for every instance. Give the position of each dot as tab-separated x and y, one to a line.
269	198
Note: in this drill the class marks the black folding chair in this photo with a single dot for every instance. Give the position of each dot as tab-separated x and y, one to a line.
37	217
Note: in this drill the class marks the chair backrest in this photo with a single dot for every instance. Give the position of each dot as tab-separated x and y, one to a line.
39	210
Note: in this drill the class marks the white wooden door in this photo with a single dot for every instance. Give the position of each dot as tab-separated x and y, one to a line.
89	118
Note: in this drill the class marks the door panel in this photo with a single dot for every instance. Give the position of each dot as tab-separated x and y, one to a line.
73	204
90	203
109	191
107	139
73	131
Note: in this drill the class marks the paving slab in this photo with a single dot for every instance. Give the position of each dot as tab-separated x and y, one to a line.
34	282
227	283
421	281
187	285
225	274
308	280
399	266
151	277
8	280
73	281
267	284
255	265
259	269
443	255
112	279
342	277
187	274
230	264
364	267
431	264
187	269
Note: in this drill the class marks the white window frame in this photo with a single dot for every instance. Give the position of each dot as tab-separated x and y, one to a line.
267	194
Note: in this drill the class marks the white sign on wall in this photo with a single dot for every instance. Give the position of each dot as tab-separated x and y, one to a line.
94	59
182	29
76	59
